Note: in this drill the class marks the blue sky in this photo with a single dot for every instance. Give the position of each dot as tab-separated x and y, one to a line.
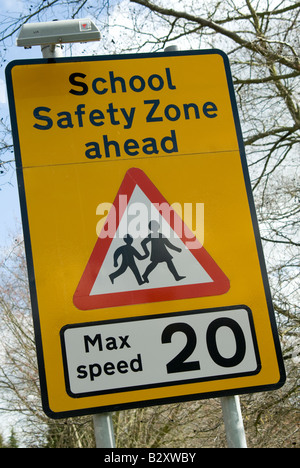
9	202
9	199
10	224
10	217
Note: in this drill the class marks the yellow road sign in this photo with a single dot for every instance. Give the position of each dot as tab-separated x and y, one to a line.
146	270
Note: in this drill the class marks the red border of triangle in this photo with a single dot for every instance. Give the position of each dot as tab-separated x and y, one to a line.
84	301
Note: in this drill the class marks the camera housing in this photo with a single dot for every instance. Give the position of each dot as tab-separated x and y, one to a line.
58	32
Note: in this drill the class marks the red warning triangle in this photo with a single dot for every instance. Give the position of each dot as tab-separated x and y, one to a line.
146	253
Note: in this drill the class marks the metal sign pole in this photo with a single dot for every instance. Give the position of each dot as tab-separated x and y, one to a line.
104	430
103	425
233	421
52	51
231	408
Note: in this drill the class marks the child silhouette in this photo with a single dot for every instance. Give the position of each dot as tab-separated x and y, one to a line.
159	253
128	253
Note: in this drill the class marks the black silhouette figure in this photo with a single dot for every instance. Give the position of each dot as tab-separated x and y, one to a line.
159	253
128	253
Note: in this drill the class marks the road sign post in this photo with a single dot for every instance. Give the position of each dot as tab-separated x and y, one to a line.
147	276
104	430
233	420
103	423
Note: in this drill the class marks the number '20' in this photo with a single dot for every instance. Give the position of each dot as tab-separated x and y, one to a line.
180	364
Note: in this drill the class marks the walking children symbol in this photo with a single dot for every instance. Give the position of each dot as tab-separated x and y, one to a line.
159	245
128	254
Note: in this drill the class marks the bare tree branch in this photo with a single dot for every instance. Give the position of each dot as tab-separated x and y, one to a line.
251	45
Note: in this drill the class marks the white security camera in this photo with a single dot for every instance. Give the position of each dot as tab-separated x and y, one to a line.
58	32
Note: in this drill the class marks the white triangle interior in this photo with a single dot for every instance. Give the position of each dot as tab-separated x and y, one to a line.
135	220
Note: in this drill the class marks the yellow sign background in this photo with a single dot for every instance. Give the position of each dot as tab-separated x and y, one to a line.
63	189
